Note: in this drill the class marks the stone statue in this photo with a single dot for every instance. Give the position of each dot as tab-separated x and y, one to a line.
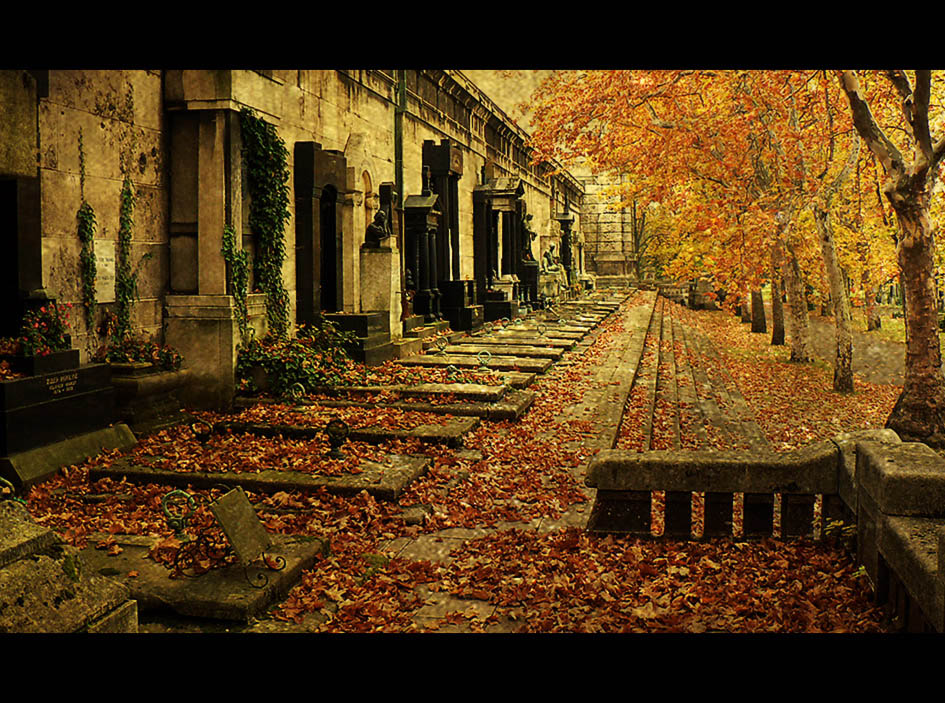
378	230
527	239
549	260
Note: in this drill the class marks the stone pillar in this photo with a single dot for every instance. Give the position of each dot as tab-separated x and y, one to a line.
352	215
205	331
211	203
204	327
380	284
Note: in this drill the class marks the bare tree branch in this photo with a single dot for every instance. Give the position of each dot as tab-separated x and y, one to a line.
866	125
923	90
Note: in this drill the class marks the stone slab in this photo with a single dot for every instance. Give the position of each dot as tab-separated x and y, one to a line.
518	350
383	480
242	528
550	332
37	465
44	587
220	594
510	407
496	363
19	535
465	391
914	548
520	340
42	410
450	433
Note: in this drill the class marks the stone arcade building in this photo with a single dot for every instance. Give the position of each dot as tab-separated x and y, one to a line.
466	223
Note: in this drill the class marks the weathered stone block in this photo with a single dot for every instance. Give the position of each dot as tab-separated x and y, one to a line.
45	588
903	479
846	468
914	548
809	470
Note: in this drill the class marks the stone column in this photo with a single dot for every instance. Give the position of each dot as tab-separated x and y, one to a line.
204	327
211	203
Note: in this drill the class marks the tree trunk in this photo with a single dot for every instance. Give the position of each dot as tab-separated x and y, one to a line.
873	320
744	310
843	358
799	322
777	306
758	323
919	414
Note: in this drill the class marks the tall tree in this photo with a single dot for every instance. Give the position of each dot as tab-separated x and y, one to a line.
919	413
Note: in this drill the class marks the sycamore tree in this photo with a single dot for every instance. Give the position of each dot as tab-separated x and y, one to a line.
901	122
738	155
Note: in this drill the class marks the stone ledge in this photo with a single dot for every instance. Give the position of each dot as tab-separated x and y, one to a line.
914	548
903	479
810	470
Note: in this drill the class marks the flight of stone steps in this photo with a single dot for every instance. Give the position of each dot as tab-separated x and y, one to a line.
683	398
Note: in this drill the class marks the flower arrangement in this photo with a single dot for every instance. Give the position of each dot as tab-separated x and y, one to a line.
125	349
44	330
130	350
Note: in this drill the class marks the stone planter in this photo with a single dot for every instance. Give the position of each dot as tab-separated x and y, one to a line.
146	398
41	364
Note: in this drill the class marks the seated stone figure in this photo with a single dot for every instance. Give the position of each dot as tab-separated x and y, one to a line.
549	260
377	231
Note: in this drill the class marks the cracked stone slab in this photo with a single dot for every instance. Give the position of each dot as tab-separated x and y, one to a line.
220	594
383	480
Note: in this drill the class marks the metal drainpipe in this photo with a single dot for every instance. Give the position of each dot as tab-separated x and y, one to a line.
400	106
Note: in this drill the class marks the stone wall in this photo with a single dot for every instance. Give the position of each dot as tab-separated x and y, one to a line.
120	117
175	134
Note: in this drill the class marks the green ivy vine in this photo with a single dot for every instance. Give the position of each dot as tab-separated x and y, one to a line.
86	230
237	279
126	279
266	160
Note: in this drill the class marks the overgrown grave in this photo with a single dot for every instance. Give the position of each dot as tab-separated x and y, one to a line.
195	573
46	588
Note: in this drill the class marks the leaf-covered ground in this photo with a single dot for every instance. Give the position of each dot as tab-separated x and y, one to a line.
490	538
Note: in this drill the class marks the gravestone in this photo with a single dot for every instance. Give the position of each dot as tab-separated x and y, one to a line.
242	528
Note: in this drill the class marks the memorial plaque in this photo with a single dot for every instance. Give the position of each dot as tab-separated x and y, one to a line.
105	270
242	528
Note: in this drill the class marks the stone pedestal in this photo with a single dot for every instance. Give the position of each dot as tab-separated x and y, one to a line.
146	399
204	329
380	284
458	305
372	344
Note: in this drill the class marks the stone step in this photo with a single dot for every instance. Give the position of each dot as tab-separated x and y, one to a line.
667	397
686	390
